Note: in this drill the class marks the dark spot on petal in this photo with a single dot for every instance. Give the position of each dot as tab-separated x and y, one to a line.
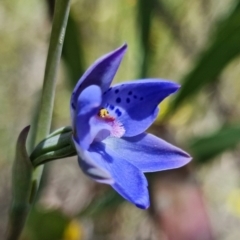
118	112
111	107
116	91
109	89
130	93
141	98
104	93
118	100
135	96
128	100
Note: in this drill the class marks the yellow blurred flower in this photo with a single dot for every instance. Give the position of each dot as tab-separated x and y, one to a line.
233	202
73	231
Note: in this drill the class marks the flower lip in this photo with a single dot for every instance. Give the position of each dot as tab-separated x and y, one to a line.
117	129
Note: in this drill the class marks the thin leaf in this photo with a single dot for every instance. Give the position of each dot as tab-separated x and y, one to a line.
144	20
73	51
21	187
223	49
204	149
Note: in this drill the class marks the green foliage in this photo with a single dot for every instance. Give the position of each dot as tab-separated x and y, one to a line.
223	49
144	20
21	187
46	225
57	145
204	149
72	51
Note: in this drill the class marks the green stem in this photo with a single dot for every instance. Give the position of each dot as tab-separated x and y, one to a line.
25	184
60	18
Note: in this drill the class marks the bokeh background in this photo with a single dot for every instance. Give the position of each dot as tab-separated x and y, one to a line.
195	43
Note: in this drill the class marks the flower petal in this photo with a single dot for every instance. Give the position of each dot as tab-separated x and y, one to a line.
148	152
129	181
90	168
100	73
135	104
86	125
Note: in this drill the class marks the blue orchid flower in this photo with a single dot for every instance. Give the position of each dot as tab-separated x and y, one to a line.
109	125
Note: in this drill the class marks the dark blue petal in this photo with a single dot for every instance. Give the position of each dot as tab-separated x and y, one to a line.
148	152
90	168
86	125
100	73
129	181
135	103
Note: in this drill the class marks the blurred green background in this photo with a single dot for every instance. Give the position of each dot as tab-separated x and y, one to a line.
195	43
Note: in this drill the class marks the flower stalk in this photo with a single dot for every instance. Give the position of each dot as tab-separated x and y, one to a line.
25	175
60	18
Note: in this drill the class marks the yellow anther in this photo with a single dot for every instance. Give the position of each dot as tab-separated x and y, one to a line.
103	113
